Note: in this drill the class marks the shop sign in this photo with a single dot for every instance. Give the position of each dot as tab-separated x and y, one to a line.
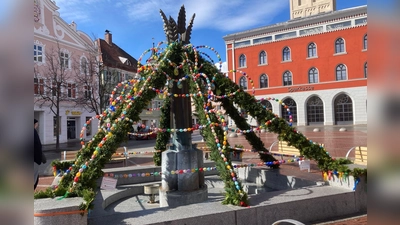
303	88
74	113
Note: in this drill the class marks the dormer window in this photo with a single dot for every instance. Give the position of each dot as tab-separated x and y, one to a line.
125	61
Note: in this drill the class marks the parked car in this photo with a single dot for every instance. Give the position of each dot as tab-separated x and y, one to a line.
145	134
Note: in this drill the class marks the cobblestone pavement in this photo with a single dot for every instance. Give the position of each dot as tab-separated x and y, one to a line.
359	220
336	143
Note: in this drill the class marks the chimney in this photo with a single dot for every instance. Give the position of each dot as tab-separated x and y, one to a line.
108	37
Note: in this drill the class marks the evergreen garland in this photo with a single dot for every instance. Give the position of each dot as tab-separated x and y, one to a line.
246	101
162	137
86	186
232	195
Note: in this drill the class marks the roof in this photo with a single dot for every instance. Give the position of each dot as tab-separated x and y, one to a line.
299	22
115	57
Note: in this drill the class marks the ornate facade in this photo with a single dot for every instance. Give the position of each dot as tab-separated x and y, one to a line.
304	8
58	44
317	65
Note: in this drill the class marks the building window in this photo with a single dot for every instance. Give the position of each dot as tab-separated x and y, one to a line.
313	76
37	53
64	60
262	58
266	104
129	76
88	92
365	42
119	76
71	91
287	78
55	125
312	50
54	89
108	76
88	126
243	82
286	54
299	2
339	45
154	104
292	113
38	86
84	66
107	99
341	72
242	60
343	110
115	76
263	81
365	69
315	110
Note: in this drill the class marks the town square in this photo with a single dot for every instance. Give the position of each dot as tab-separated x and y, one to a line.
267	127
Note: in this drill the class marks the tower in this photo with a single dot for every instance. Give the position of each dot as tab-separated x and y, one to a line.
304	8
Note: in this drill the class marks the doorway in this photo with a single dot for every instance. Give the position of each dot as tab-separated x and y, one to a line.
71	129
343	110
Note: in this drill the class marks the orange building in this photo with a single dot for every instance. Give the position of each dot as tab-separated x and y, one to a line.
317	65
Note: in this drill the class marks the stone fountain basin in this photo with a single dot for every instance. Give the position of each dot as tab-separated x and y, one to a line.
268	184
254	180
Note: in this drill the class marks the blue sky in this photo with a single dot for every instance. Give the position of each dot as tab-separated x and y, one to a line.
134	23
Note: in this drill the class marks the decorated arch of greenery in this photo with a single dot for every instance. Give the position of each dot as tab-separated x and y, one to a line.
207	85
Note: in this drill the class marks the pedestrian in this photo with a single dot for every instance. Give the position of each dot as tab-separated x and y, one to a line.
38	157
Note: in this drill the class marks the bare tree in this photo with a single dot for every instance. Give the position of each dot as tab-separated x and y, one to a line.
95	81
87	72
54	84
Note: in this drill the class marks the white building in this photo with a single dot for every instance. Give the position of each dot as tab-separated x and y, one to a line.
69	46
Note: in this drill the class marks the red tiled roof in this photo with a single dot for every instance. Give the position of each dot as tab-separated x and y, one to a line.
110	57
